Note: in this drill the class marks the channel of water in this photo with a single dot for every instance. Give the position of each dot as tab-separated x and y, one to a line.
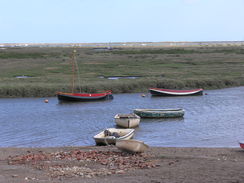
215	119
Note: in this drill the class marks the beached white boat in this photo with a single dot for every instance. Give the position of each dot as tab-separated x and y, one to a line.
110	135
127	120
134	146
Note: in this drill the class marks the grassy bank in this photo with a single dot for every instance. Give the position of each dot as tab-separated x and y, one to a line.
47	70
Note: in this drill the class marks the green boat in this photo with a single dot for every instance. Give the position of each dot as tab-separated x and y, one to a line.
159	113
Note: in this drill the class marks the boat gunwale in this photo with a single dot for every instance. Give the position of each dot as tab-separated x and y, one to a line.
132	117
84	94
81	97
130	131
176	91
169	92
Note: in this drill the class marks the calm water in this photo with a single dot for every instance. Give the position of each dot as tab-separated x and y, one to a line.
212	120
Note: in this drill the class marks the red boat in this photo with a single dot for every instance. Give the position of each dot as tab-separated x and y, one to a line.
168	92
73	96
241	145
84	96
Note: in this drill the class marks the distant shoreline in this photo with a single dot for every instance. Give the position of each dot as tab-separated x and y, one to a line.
128	44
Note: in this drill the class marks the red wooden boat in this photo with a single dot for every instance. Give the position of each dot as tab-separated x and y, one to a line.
168	92
84	96
74	96
241	145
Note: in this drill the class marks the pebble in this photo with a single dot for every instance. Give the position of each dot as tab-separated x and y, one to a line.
113	162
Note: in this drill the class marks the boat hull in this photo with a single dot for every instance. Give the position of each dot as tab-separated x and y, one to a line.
83	97
241	145
102	139
167	92
127	121
134	146
159	113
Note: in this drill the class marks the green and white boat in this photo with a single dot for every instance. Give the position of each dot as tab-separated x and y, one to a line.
160	113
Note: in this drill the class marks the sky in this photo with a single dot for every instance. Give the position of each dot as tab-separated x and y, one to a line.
90	21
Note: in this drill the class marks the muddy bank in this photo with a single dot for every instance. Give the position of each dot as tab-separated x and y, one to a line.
108	164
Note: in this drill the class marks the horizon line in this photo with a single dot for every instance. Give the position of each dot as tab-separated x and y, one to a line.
117	42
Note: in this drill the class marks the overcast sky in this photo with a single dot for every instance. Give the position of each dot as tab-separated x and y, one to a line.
73	21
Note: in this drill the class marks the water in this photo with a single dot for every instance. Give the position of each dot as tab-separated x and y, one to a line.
23	77
212	120
119	77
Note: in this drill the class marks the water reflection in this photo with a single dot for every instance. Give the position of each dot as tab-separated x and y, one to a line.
119	77
163	120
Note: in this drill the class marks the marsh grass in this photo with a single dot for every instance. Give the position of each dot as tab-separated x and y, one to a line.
175	68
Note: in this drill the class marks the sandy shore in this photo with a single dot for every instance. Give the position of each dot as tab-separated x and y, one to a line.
108	164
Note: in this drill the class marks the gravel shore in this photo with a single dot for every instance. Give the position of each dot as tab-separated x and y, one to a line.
108	164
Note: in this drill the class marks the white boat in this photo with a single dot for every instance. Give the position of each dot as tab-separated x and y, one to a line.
110	135
134	146
127	120
169	92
